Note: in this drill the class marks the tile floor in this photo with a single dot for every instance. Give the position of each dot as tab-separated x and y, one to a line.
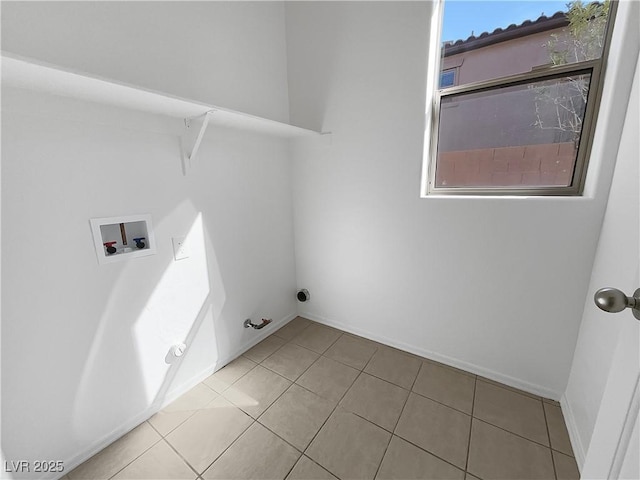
312	402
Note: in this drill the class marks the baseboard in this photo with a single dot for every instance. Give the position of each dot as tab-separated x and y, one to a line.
572	428
451	361
176	392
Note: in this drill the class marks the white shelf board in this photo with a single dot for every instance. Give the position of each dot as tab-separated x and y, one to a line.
27	74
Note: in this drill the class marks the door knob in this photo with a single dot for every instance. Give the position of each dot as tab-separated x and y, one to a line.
613	300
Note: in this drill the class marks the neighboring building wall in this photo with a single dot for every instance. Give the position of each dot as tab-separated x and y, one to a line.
530	165
518	55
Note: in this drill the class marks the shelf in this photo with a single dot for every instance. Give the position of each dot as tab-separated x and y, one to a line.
33	75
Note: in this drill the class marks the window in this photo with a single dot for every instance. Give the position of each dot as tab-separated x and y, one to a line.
447	78
516	116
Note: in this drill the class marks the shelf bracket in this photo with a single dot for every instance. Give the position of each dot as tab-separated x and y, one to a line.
188	156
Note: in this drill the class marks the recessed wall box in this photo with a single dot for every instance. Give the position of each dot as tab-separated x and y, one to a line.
119	238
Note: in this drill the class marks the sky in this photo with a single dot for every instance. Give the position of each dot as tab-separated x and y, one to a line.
461	17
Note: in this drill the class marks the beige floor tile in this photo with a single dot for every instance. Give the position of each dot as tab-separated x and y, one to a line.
378	401
394	366
513	389
566	466
557	429
446	385
512	411
205	435
328	378
257	454
258	389
439	429
293	328
297	416
307	469
177	412
290	361
230	373
495	453
349	446
119	454
265	348
352	351
404	461
468	476
158	463
317	337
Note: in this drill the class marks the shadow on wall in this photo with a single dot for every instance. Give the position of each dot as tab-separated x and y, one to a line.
83	344
175	309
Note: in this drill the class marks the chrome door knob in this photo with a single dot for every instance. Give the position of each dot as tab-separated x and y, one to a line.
613	300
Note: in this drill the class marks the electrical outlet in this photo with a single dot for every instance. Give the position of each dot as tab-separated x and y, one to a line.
180	248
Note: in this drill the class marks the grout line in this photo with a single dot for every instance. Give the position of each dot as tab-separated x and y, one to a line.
429	452
384	454
346	364
268	355
236	380
473	404
328	417
312	460
228	447
488	381
137	457
310	322
406	400
512	433
546	424
444	404
180	455
415	379
398	419
283	439
193	412
299	375
388	381
157	431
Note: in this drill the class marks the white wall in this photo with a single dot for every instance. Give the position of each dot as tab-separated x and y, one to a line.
492	285
616	265
230	54
84	345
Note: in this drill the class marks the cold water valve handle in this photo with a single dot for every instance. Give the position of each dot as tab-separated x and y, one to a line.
265	322
139	242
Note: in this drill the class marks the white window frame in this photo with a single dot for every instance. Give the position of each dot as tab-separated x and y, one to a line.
432	114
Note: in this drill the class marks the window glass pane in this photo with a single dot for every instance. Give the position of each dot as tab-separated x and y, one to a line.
486	40
521	135
447	79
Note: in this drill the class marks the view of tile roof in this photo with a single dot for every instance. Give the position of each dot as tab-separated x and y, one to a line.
528	27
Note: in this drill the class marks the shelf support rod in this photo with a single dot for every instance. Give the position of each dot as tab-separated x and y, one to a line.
196	145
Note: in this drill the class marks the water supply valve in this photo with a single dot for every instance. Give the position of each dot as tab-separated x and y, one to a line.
140	242
110	247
